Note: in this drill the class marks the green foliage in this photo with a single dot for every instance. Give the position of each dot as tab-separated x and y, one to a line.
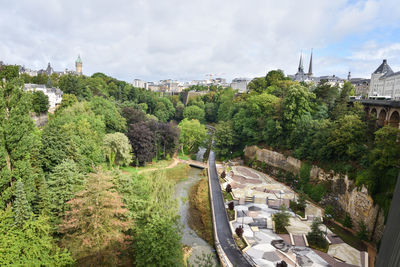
192	135
194	113
281	220
21	207
156	235
164	110
19	143
348	222
94	226
223	139
362	232
29	244
62	184
68	100
8	72
40	102
117	149
112	118
73	84
316	237
329	212
74	133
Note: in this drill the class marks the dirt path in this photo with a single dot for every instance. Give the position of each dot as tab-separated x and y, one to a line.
173	164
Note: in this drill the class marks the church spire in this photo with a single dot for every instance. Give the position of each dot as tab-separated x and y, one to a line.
310	67
301	68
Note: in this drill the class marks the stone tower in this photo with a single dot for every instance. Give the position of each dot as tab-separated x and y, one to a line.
78	65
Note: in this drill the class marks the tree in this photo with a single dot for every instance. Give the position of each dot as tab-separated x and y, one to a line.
40	102
301	202
223	138
210	111
281	220
29	244
316	237
142	140
258	85
8	72
94	226
192	134
193	113
68	100
231	205
19	143
133	116
180	107
164	110
112	118
239	231
21	207
228	188
62	184
117	149
296	104
73	84
274	77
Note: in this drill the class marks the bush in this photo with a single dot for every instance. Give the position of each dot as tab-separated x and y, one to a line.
348	222
228	188
231	205
281	220
316	237
223	175
362	232
329	212
239	231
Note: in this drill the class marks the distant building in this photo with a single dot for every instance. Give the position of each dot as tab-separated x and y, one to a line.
54	94
139	84
240	84
78	65
49	70
308	77
385	82
361	85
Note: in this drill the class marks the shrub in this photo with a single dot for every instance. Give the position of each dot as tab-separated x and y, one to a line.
228	188
362	232
239	231
329	211
281	220
223	175
316	237
231	205
348	222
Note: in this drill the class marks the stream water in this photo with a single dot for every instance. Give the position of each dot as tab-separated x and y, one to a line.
190	238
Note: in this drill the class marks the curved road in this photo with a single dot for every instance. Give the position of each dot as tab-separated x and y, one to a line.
221	220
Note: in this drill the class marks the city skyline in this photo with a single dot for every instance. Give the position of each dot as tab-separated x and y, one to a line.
154	40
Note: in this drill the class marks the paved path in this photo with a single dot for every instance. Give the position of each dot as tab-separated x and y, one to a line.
221	220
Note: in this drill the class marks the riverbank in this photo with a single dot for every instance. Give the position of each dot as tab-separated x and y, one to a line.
200	212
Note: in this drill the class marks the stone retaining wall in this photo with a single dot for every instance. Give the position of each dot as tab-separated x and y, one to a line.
344	196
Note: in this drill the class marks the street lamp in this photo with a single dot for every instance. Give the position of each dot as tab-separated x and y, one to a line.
243	217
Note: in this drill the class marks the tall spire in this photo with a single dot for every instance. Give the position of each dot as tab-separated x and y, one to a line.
310	67
301	68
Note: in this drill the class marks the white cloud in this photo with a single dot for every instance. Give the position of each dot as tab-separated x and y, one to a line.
157	39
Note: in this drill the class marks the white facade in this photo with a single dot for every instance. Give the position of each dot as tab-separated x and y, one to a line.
54	94
240	84
385	82
139	83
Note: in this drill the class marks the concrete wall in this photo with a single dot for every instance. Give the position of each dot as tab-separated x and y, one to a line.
344	196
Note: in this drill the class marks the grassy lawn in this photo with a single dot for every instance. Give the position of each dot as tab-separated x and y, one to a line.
231	214
227	196
240	242
200	212
346	236
176	174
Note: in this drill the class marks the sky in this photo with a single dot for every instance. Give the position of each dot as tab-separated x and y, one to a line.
188	39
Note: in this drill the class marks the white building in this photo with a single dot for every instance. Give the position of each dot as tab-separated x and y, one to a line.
385	82
54	94
240	84
139	84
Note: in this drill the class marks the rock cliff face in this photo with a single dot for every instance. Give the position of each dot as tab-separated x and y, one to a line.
344	195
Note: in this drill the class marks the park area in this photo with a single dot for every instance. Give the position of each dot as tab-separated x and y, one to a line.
257	198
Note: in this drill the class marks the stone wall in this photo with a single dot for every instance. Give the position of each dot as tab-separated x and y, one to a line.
343	195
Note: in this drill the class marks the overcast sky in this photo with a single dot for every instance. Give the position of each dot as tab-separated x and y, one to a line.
187	39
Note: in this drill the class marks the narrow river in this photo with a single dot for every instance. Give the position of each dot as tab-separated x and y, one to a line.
190	238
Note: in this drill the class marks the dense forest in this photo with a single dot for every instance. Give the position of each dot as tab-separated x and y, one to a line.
64	200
